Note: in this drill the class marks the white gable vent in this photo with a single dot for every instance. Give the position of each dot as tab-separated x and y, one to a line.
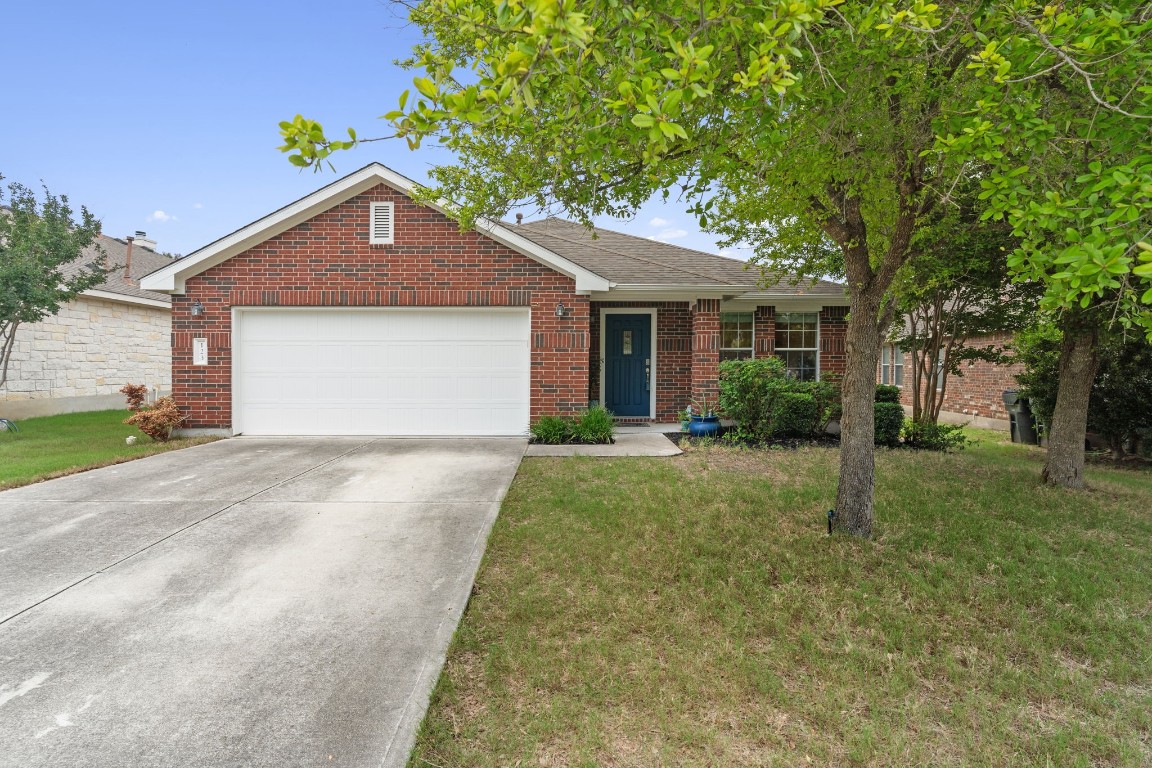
382	224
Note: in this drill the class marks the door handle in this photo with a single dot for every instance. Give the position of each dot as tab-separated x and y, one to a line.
648	375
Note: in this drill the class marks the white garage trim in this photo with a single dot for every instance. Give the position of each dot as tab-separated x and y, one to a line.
387	371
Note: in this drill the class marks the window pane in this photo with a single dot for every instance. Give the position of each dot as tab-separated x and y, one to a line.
796	330
899	372
735	354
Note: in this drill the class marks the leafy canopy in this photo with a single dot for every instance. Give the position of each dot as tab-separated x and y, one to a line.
38	240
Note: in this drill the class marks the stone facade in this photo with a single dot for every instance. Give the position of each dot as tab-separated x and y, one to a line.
78	359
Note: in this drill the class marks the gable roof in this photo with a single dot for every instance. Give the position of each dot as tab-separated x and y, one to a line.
115	287
599	260
171	278
630	260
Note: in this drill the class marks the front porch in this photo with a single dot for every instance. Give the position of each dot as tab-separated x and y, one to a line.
649	359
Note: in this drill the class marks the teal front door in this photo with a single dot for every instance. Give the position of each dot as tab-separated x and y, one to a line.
628	364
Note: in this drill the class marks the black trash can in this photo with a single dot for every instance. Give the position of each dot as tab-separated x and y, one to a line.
1021	424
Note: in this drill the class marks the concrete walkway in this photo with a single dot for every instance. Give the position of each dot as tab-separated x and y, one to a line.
251	602
630	443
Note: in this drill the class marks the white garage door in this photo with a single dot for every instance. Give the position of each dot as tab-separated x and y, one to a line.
381	372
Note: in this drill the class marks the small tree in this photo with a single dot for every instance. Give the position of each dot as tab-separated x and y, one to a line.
38	240
955	288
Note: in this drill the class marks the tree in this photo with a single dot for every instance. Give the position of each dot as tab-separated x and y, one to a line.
38	241
1120	404
806	119
955	288
1064	125
785	125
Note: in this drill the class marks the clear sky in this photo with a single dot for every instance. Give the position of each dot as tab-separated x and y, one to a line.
164	117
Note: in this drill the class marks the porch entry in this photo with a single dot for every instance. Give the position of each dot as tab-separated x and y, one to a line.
628	364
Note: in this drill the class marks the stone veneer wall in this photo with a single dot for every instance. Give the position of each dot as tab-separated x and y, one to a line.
78	359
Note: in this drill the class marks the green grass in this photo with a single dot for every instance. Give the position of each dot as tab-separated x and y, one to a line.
693	612
53	446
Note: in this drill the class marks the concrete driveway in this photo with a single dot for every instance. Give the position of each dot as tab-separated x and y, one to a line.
251	602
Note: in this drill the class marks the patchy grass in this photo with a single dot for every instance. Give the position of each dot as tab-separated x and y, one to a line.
54	446
693	612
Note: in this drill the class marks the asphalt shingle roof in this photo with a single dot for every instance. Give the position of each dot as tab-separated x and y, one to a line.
144	260
630	260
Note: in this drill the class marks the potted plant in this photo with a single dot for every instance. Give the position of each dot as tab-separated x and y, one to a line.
685	418
704	421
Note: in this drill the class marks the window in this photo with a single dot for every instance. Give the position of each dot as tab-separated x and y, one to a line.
797	343
892	365
735	335
380	228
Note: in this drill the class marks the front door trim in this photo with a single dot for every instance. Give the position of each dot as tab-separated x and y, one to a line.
651	312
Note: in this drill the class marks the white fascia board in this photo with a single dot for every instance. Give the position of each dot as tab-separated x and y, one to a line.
171	279
125	299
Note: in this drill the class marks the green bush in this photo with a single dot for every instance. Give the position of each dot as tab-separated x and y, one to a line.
934	437
889	423
747	390
887	393
552	430
594	426
795	414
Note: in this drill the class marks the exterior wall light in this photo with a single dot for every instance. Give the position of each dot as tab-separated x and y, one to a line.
197	308
562	311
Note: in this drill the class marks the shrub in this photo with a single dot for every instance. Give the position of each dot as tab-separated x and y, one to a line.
934	437
552	430
595	426
795	414
135	394
887	393
747	390
159	420
889	422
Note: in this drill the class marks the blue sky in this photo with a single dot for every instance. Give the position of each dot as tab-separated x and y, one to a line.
164	117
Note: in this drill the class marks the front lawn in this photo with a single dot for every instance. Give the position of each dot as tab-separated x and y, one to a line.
693	612
52	446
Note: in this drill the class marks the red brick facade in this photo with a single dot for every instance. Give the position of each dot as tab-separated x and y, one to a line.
327	262
978	391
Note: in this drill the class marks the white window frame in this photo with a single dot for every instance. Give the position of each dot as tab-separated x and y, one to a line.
777	350
750	349
651	311
372	238
891	358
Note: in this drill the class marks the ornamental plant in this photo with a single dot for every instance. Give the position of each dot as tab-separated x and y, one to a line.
158	420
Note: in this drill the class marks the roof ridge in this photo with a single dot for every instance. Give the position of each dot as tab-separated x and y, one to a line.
632	256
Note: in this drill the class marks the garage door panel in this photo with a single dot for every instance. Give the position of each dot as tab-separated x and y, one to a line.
382	372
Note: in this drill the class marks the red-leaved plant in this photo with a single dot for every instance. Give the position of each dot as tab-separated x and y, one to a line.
135	394
159	420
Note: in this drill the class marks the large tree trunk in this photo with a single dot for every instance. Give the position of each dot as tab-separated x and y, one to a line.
865	333
1078	362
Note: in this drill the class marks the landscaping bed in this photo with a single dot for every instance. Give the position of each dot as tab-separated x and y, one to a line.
693	611
683	439
54	446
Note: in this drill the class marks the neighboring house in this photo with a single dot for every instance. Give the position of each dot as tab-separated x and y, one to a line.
974	397
113	334
357	311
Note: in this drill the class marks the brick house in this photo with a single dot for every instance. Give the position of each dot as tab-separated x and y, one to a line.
115	333
358	311
974	397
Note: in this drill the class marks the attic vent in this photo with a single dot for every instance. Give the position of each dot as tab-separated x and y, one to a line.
382	224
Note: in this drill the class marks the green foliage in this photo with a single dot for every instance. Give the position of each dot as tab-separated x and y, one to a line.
887	393
747	390
595	425
1062	129
38	240
930	436
795	414
765	402
889	423
1120	407
552	430
1038	349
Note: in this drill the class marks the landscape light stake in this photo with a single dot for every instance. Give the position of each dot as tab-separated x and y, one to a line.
831	517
